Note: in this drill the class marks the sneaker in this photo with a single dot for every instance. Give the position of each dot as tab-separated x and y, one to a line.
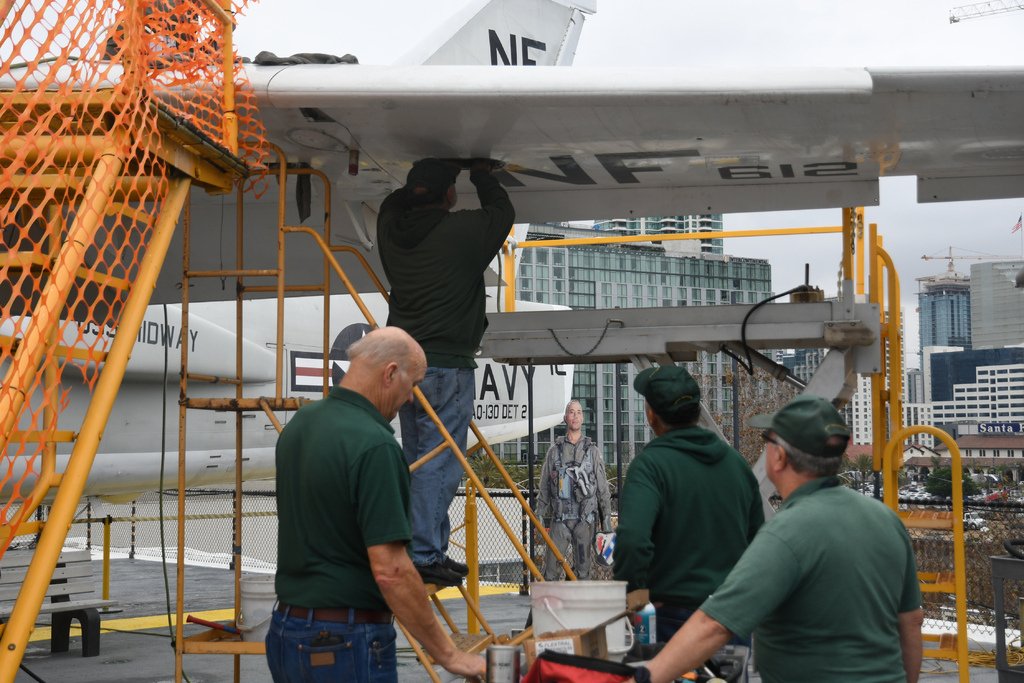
438	574
457	567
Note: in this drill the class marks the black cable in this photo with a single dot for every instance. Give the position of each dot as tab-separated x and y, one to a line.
593	348
749	367
135	633
32	675
160	498
725	349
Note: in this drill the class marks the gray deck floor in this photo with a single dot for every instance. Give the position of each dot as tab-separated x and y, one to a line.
146	656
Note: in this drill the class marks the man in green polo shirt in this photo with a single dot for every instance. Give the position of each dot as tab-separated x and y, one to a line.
343	573
828	587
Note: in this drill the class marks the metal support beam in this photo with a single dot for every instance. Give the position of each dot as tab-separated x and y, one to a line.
618	335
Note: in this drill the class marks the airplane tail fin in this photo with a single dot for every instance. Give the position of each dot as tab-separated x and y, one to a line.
507	32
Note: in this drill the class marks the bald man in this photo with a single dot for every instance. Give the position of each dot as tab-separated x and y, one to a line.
343	573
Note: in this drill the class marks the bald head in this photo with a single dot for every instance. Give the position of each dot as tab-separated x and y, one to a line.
383	345
384	367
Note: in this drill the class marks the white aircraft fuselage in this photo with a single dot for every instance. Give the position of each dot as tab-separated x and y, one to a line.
128	460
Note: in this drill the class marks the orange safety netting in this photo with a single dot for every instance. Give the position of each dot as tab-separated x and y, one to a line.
86	90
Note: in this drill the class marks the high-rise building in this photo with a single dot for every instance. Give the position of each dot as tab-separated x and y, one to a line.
948	369
997	306
671	224
916	413
995	395
913	387
858	412
628	276
944	310
926	367
803	362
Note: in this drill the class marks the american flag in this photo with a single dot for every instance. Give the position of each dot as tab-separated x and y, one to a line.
1016	226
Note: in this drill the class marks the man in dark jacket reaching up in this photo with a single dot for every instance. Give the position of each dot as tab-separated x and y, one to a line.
435	260
689	507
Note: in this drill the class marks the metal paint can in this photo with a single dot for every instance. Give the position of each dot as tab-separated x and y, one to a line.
502	664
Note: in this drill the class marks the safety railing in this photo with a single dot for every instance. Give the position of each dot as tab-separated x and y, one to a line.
942	581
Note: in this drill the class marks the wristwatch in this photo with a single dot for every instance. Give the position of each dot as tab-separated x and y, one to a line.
641	674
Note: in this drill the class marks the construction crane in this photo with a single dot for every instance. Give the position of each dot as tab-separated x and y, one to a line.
951	257
983	9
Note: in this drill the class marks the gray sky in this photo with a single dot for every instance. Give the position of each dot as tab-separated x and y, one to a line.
734	33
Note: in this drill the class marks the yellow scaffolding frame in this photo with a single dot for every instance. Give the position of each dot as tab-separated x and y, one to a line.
187	159
72	482
889	433
219	642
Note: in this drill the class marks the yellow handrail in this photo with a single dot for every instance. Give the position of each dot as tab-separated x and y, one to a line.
890	456
37	578
508	249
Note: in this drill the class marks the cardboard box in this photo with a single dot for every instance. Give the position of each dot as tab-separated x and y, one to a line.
589	642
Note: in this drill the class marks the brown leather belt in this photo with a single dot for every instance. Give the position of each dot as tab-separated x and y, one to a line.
342	615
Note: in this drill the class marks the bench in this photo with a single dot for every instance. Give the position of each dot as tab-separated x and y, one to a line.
70	592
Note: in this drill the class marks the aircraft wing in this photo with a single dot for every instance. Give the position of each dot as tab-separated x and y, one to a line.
589	143
584	143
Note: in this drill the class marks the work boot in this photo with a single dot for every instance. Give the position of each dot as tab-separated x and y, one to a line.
438	574
457	567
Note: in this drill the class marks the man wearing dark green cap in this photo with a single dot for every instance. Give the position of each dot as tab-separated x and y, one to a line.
689	507
828	587
435	260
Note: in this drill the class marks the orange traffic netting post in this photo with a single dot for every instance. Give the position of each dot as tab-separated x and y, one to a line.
109	111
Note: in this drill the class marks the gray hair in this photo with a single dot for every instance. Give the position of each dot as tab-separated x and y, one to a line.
805	463
569	404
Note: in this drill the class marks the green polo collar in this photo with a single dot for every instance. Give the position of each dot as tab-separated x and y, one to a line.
359	401
809	489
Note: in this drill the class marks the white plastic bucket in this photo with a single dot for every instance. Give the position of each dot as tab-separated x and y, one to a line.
561	605
258	597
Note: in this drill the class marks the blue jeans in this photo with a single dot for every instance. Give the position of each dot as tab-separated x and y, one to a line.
450	393
346	652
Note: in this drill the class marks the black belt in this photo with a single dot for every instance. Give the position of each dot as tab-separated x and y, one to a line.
344	615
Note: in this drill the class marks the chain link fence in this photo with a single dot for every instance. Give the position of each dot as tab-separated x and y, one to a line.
135	533
985	529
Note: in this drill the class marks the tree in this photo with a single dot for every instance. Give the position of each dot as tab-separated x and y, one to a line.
489	475
940	481
860	467
758	393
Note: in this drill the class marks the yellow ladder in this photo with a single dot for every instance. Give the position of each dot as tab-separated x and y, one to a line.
467	642
95	167
216	642
63	273
951	580
888	429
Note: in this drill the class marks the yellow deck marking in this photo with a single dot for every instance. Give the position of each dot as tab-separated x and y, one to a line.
160	620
